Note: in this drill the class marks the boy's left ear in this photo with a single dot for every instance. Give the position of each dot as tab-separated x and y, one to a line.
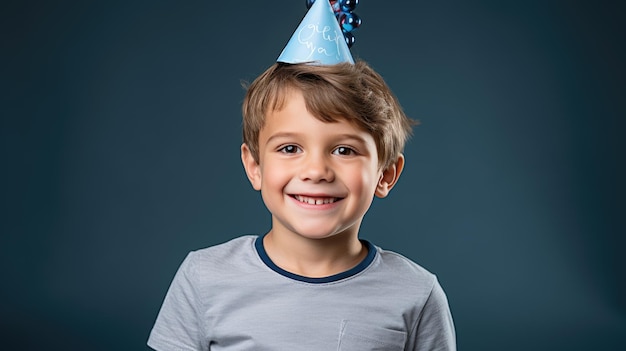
389	178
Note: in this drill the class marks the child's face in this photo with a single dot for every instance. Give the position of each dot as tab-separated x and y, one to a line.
317	179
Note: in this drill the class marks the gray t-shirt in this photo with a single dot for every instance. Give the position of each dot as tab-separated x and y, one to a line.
233	297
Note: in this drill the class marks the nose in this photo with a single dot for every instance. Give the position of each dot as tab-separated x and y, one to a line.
316	168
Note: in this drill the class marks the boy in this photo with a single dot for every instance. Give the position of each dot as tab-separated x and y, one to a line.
320	141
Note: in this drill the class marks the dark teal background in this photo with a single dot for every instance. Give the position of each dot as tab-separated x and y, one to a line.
120	153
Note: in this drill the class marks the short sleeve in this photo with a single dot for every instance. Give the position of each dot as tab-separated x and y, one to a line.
178	324
434	330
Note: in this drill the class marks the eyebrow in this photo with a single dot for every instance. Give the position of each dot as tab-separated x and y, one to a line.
354	137
282	135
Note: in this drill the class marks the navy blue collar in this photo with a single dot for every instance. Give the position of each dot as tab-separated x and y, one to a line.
371	254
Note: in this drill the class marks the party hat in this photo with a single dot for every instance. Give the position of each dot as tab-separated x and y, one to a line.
318	39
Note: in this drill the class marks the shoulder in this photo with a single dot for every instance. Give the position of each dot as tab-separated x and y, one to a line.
398	265
223	259
404	275
414	277
232	247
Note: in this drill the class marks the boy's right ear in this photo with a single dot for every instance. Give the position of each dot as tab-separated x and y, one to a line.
253	169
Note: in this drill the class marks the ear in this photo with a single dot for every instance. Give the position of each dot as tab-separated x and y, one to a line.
253	170
389	177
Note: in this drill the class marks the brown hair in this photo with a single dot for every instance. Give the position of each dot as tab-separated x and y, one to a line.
354	92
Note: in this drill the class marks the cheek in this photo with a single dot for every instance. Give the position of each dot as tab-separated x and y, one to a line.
363	180
274	177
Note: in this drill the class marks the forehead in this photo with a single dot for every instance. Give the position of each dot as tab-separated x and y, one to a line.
289	99
295	119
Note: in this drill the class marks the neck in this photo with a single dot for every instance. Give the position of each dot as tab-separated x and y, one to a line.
314	258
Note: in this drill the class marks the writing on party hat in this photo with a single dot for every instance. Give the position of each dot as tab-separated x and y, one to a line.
323	36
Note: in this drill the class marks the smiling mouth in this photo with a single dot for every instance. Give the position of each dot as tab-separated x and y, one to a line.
316	200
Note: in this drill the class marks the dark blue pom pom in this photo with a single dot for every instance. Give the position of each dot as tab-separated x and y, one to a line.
348	5
349	21
349	38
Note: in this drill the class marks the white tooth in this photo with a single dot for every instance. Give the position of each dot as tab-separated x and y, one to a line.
313	201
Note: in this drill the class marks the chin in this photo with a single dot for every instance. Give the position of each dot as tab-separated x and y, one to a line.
317	234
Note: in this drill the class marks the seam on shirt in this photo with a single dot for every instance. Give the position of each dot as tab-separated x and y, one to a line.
419	317
202	327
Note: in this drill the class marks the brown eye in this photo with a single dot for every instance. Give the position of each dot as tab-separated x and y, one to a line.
289	149
344	151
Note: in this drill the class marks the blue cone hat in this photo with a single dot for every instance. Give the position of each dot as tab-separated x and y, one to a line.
318	39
